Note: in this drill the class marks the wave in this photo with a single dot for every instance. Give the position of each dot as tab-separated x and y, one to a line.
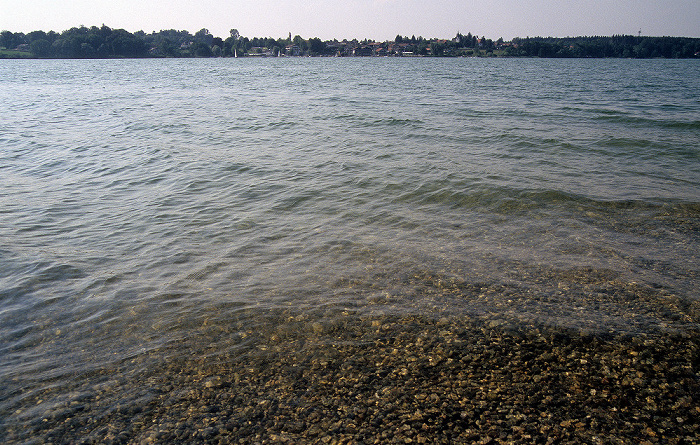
638	121
508	200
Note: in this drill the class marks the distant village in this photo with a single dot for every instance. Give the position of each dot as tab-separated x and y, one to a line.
399	47
105	42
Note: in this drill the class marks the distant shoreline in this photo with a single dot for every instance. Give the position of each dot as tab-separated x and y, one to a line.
107	43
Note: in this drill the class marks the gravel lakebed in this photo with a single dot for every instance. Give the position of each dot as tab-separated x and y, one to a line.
388	379
603	362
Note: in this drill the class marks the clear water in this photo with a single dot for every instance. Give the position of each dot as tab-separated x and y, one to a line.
145	202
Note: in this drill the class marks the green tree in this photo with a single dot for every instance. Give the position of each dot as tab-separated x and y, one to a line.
422	48
102	51
125	44
57	47
317	46
87	50
201	49
204	36
40	48
6	39
298	41
11	40
36	35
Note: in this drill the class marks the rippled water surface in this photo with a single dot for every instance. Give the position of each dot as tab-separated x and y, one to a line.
144	202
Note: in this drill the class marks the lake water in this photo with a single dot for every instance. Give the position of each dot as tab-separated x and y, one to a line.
149	204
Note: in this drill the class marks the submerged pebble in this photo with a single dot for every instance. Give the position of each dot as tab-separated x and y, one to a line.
413	380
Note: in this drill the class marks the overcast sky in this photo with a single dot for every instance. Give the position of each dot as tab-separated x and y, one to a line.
371	19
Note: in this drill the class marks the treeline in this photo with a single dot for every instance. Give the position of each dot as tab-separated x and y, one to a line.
618	46
625	46
80	42
105	42
460	45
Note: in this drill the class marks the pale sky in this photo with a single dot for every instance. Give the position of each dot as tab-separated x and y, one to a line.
371	19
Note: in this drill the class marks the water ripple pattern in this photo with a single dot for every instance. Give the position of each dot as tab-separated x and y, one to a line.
143	199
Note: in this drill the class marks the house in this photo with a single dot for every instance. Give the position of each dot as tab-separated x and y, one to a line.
339	49
260	51
363	51
292	50
400	49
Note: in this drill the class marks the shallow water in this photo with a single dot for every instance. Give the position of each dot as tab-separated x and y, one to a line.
145	202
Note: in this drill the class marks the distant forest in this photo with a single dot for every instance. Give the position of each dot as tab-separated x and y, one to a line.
624	46
105	42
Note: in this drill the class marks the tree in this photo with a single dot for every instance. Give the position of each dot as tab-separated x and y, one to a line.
235	35
86	50
40	48
105	31
301	43
467	40
36	35
57	47
317	46
202	50
228	46
102	51
125	44
6	39
11	40
437	49
204	36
